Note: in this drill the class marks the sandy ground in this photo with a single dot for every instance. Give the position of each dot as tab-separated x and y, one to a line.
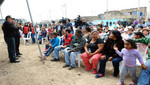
31	71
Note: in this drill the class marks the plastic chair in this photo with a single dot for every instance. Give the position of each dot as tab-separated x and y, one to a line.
142	48
28	38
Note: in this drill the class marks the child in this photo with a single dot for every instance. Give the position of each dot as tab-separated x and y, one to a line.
138	35
53	43
50	41
129	55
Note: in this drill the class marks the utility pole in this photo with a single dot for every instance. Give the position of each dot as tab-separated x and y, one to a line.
138	10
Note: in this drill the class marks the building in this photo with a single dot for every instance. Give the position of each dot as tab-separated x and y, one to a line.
127	13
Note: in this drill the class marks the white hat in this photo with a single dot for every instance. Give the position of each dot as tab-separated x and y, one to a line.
126	29
129	27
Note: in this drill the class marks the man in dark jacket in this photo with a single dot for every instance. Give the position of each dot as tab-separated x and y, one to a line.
9	37
17	41
76	46
124	23
59	29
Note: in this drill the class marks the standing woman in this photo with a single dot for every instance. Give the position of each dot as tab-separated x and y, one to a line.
93	50
109	53
31	29
25	30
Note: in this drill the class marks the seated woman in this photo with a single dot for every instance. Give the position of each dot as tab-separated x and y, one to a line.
49	31
109	53
86	32
146	33
53	43
95	45
42	34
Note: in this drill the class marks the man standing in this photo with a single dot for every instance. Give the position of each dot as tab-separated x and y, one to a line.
76	46
9	37
17	40
59	29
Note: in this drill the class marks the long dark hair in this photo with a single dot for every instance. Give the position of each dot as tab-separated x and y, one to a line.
117	34
132	42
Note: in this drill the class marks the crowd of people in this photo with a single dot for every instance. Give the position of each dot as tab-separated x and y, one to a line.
95	43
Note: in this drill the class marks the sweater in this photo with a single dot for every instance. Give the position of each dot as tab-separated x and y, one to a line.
55	42
129	57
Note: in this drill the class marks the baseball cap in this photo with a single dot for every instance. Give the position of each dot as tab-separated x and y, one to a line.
7	17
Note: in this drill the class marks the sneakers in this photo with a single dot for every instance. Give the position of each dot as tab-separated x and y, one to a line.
55	59
71	68
99	75
66	66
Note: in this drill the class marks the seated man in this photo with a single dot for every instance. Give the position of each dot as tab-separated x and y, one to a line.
53	43
76	46
66	40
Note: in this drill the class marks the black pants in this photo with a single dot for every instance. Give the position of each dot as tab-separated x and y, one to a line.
60	32
11	48
115	62
17	43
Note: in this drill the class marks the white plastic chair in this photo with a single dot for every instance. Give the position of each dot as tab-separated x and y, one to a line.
142	48
28	38
44	40
78	58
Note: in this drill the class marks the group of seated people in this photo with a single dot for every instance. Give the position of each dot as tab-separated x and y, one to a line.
91	46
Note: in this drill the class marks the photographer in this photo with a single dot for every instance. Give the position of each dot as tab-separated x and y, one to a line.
59	29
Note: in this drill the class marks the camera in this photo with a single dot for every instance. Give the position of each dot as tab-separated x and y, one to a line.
78	21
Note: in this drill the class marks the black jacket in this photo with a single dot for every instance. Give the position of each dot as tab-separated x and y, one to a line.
61	28
9	29
108	47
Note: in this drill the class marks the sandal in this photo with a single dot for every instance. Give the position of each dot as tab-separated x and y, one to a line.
132	83
119	83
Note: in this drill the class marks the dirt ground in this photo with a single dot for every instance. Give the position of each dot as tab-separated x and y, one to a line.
31	71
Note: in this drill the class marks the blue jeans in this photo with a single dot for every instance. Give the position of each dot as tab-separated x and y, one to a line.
144	78
25	35
40	37
49	51
70	58
56	51
115	62
11	48
33	38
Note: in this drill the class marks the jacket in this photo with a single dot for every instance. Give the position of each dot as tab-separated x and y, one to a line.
68	40
78	44
9	29
108	47
25	29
